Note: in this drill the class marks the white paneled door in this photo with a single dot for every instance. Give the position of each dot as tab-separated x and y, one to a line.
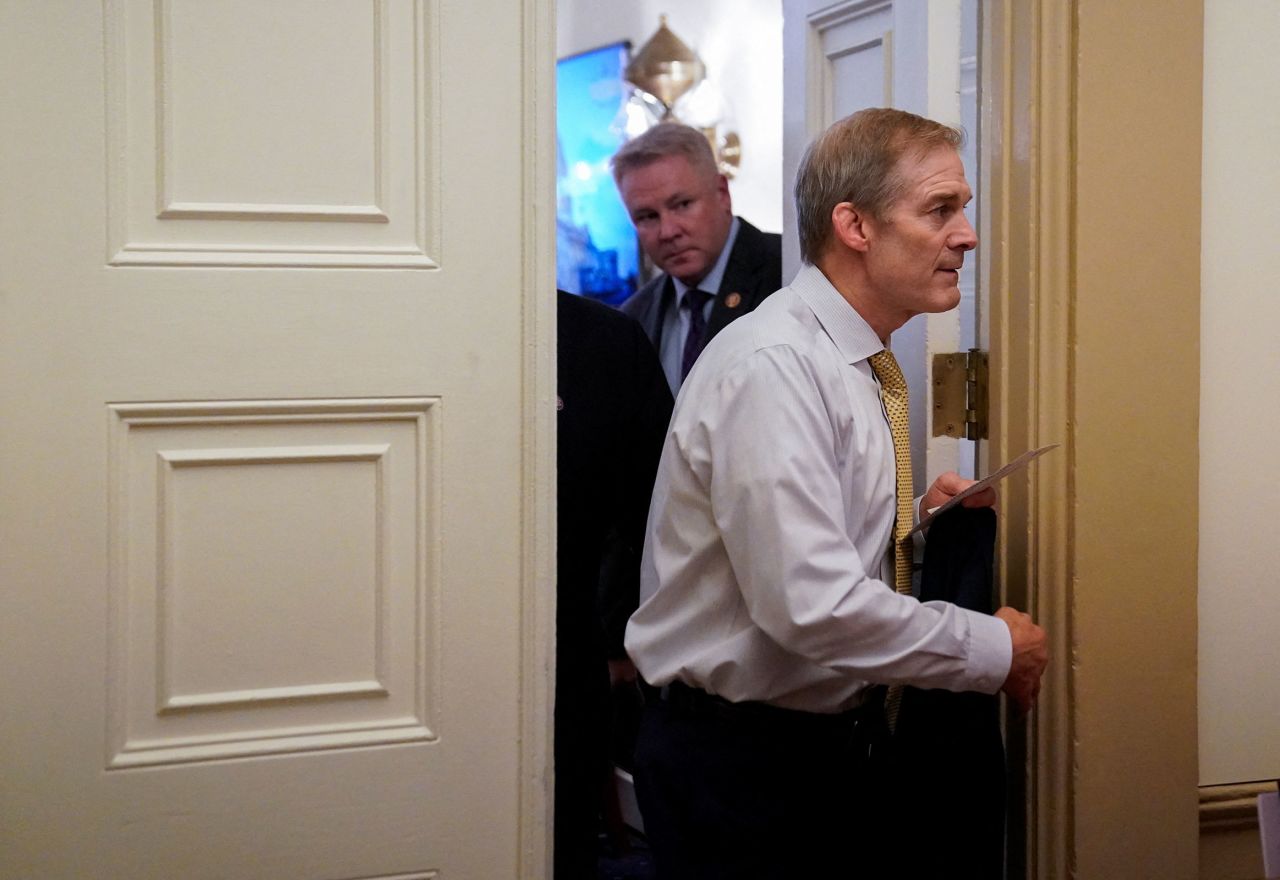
273	341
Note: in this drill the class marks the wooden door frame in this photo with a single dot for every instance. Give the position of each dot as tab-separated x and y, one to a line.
1092	143
538	443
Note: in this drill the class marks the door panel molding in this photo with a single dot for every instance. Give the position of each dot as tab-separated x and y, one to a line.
855	35
355	181
204	493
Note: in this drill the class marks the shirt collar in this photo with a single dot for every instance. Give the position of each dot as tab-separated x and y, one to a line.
847	329
711	283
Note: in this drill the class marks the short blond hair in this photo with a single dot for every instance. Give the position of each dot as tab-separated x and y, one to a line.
855	160
663	140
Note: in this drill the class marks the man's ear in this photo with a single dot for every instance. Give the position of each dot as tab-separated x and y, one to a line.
722	192
850	226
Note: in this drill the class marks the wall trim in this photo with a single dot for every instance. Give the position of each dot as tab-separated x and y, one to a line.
1231	807
1027	168
538	444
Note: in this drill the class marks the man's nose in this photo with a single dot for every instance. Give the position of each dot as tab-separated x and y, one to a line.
964	238
667	227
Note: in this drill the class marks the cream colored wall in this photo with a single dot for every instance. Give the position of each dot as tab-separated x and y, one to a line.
1136	375
1240	395
740	41
1239	607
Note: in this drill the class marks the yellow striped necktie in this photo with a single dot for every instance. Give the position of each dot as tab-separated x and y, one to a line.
893	393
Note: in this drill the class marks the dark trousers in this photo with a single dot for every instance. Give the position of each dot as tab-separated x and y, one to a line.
581	767
749	790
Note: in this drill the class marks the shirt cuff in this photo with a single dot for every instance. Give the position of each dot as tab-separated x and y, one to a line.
990	652
917	538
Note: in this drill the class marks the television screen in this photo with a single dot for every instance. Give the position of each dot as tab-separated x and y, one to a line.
597	254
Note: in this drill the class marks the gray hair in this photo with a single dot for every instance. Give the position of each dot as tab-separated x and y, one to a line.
663	140
855	160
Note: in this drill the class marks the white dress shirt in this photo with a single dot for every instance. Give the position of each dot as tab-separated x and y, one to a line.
766	573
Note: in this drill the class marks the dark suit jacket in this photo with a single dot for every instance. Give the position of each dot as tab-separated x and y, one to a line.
613	411
753	272
612	415
946	767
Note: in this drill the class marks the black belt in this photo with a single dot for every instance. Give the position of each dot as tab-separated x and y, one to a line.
695	701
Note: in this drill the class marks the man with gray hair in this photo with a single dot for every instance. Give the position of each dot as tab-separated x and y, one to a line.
776	579
715	267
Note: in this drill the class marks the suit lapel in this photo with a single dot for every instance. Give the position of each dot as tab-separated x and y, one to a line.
666	295
740	278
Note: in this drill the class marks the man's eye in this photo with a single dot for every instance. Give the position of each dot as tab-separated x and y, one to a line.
683	204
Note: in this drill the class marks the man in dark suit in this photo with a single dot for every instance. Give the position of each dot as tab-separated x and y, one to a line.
612	412
715	267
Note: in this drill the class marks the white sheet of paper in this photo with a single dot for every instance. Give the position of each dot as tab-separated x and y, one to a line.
990	480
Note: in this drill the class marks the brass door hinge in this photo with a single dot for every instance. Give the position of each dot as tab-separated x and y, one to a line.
960	394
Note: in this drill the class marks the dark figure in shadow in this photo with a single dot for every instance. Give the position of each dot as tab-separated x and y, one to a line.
613	408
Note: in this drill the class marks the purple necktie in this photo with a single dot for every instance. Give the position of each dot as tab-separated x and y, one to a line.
694	301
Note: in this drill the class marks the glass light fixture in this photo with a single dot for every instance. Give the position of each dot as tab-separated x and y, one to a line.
671	86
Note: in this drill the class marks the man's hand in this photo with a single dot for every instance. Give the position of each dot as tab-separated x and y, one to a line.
1030	657
950	484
